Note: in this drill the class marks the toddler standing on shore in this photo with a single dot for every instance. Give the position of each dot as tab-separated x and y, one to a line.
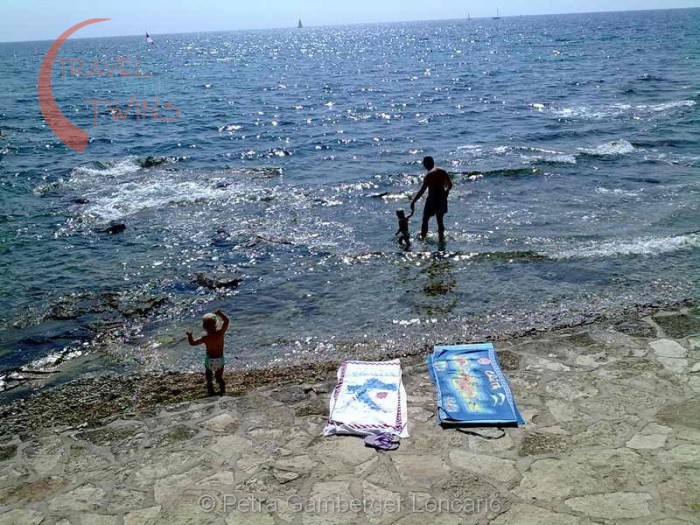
213	341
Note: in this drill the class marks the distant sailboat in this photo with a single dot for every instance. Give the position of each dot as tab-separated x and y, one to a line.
300	26
468	17
498	16
149	40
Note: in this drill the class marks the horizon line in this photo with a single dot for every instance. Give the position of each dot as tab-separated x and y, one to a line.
356	24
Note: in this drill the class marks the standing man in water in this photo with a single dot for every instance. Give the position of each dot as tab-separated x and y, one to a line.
438	184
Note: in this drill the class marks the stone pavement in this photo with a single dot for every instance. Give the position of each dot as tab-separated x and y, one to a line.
612	436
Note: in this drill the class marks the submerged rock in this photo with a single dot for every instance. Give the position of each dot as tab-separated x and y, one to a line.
214	281
113	306
113	229
151	162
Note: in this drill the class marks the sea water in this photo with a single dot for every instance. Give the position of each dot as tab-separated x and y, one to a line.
281	156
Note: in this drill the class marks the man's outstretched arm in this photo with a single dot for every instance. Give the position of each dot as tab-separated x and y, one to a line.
418	195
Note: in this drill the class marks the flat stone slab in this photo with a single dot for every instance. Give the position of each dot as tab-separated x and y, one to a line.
143	516
82	499
619	505
552	478
668	348
688	453
694	384
685	414
649	442
531	515
25	517
222	423
420	469
503	470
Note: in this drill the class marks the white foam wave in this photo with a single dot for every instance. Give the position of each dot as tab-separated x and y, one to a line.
558	158
616	192
641	246
668	105
230	128
588	112
115	169
136	197
615	147
617	110
528	154
538	154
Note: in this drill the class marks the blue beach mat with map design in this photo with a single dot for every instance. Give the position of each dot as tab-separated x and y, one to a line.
471	387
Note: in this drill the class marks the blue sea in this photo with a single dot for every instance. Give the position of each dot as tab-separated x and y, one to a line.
279	158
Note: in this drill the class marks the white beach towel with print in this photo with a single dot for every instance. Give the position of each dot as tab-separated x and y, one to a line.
369	398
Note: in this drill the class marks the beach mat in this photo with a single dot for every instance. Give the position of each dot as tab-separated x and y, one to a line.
471	387
369	398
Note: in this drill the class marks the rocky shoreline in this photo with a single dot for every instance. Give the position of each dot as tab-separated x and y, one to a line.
91	401
612	436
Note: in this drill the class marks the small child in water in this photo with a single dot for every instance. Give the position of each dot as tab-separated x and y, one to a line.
213	341
402	232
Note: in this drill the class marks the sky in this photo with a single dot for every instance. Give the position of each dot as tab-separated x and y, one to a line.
46	19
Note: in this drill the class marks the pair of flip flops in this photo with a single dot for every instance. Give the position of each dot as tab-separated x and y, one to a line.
384	441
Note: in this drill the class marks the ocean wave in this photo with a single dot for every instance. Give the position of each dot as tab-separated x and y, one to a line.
109	168
120	167
617	192
668	105
673	160
524	154
641	246
135	197
613	148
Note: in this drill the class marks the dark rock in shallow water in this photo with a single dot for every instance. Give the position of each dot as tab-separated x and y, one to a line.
142	306
73	306
267	172
214	281
113	229
151	162
81	201
111	307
